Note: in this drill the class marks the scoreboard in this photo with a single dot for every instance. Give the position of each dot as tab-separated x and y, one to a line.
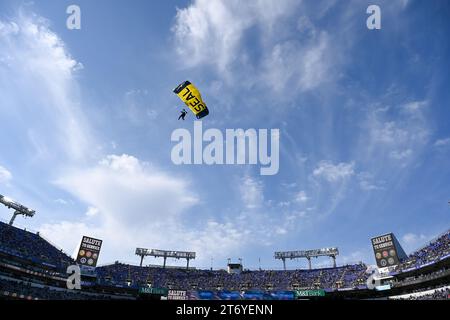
89	251
387	250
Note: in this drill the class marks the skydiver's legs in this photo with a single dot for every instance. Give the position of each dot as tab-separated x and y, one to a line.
182	115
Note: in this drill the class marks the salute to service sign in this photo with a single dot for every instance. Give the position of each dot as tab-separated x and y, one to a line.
89	251
177	295
388	251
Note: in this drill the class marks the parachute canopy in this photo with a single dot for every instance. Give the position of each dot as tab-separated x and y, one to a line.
189	94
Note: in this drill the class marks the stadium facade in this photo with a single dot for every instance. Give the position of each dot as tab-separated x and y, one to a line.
33	269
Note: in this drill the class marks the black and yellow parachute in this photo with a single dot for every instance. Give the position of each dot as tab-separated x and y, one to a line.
189	94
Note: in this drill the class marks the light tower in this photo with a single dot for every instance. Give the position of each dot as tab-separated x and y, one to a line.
141	252
18	208
308	254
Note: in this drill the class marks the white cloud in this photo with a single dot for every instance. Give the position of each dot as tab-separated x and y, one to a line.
415	106
305	25
404	3
281	231
301	196
215	240
400	154
367	182
39	90
67	234
410	127
62	201
92	212
134	203
284	203
295	215
205	32
128	191
211	32
389	133
5	175
297	65
354	257
412	238
131	204
289	185
412	241
400	139
252	192
332	172
442	142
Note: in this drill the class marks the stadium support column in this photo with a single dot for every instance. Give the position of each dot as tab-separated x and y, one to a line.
187	264
309	262
142	260
15	214
164	263
334	261
284	263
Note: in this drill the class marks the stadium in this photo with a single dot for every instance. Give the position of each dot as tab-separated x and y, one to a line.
190	152
31	268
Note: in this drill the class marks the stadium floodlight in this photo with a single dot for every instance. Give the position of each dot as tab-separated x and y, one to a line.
18	208
165	254
308	254
7	200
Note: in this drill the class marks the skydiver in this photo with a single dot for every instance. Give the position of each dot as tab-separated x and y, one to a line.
182	115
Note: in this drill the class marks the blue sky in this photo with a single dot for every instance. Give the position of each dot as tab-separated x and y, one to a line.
363	116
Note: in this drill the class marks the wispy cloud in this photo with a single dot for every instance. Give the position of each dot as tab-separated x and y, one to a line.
92	212
129	191
412	238
301	196
214	34
343	149
63	201
38	63
400	154
400	132
5	175
413	241
298	65
211	32
442	142
356	257
368	182
334	172
132	203
252	192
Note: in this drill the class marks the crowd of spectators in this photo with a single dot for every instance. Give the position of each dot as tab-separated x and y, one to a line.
443	294
432	252
32	247
29	291
22	244
329	278
414	279
17	244
438	294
